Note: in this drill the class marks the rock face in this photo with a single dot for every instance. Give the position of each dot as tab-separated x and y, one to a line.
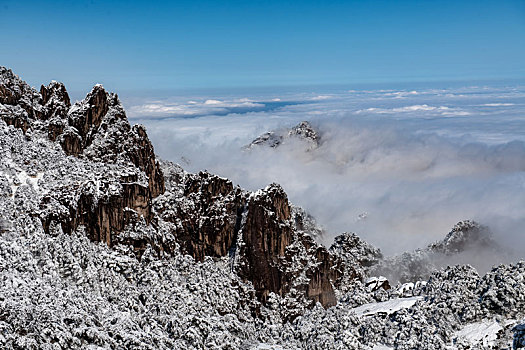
56	102
103	217
325	277
305	131
95	129
205	211
201	215
266	234
20	103
84	120
211	217
271	247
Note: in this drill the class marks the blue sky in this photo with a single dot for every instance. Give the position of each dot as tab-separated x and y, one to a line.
131	45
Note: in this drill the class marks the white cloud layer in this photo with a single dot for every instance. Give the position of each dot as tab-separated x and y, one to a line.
415	165
163	109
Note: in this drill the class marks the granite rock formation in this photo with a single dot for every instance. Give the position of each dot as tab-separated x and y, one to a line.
202	215
274	256
211	217
95	129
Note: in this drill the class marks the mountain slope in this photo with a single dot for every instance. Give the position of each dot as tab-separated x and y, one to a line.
103	245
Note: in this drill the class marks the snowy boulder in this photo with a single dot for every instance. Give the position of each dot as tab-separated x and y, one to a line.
374	283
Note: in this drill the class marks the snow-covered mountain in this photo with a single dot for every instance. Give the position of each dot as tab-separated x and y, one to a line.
303	132
102	245
467	241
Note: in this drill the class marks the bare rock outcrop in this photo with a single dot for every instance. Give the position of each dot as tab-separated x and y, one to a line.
84	120
96	127
266	234
20	104
274	256
105	215
56	104
205	211
211	217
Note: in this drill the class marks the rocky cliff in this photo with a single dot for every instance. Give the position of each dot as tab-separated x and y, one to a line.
208	216
95	130
205	215
277	258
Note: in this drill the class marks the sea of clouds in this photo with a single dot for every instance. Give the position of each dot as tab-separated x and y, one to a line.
398	167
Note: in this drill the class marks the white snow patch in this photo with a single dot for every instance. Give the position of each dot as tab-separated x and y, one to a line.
22	179
387	307
381	347
262	346
485	332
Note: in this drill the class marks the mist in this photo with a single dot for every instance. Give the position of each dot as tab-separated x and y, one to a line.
399	168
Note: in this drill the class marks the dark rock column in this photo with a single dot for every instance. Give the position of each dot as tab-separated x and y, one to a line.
266	234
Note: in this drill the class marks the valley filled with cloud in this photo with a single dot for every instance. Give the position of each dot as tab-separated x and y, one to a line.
397	166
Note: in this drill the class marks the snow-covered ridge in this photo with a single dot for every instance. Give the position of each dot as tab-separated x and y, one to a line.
146	288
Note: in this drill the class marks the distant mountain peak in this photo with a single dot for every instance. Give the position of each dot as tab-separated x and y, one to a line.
303	131
464	235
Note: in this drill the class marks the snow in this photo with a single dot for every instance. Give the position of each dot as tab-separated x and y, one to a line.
262	346
382	347
387	307
22	178
485	332
66	291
